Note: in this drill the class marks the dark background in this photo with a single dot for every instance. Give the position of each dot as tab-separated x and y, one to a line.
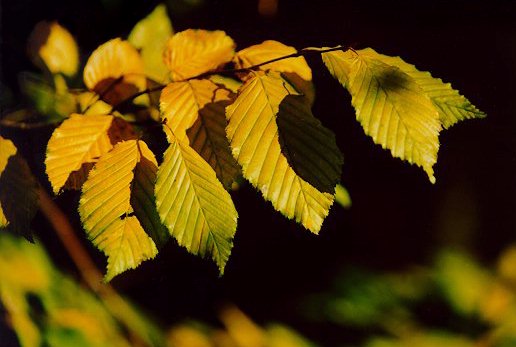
398	218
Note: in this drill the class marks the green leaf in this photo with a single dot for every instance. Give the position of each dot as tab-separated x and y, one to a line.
107	213
150	36
253	135
195	110
452	106
391	107
54	105
18	190
193	204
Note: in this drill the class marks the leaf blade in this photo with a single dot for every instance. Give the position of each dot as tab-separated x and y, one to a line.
253	136
390	106
185	182
107	214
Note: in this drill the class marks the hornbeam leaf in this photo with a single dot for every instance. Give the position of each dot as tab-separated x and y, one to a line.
150	35
452	106
195	111
78	141
106	208
310	148
115	71
18	190
194	51
253	135
55	47
391	107
193	204
269	50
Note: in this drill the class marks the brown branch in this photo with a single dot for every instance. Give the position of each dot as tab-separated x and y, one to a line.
116	304
302	52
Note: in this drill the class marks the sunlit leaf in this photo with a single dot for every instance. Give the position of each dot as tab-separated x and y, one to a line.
18	190
391	107
106	211
195	111
77	142
115	71
194	51
269	50
226	82
150	36
342	196
253	135
193	204
452	106
55	47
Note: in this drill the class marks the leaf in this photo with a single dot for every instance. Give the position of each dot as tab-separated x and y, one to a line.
79	140
452	106
18	190
107	213
342	196
115	71
194	51
49	102
52	46
253	135
390	106
193	204
227	82
150	36
269	50
310	148
195	111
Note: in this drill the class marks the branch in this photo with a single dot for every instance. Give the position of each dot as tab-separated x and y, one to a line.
302	52
122	310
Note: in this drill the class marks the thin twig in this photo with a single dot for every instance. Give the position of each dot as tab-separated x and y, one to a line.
302	52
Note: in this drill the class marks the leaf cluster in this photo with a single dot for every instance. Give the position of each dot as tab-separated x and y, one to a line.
226	114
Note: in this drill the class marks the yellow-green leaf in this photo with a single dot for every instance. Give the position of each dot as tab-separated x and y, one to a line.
391	107
194	51
115	71
150	36
342	196
78	141
227	82
195	111
193	204
18	190
269	50
253	135
452	106
53	46
106	211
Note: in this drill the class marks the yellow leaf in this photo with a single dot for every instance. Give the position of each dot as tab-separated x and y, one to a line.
269	50
53	45
227	82
150	36
89	104
253	135
115	71
452	106
391	107
193	204
195	111
194	51
78	141
18	195
106	208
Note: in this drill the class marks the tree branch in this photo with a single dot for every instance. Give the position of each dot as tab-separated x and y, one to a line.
302	52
